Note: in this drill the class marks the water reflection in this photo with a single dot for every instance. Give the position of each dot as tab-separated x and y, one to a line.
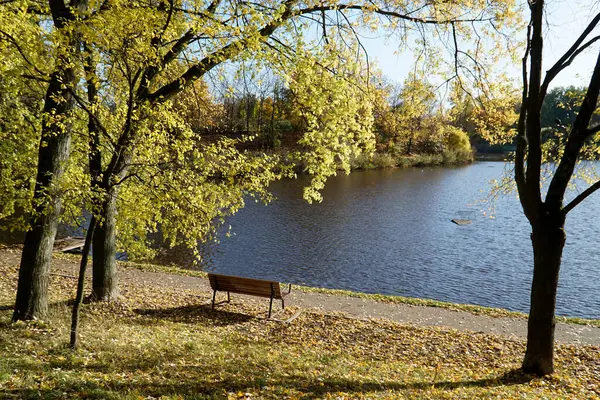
390	232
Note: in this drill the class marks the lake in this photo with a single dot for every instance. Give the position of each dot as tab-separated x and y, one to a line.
390	232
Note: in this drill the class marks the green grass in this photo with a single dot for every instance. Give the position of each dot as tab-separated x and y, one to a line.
381	160
168	344
471	308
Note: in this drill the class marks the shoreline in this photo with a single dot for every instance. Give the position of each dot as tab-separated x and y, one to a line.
473	309
149	267
162	339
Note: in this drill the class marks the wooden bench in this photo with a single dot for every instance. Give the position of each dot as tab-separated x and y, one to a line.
253	287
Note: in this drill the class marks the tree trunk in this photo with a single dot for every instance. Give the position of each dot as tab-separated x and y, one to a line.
548	242
104	282
81	282
53	153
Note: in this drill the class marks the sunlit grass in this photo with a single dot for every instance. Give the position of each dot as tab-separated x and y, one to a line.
470	308
163	343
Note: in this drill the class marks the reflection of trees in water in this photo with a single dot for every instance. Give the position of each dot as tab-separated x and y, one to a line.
184	257
180	256
18	236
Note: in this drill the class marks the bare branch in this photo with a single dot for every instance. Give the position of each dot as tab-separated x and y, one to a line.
580	197
395	14
576	140
570	54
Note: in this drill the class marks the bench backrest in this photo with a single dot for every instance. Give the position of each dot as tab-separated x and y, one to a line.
254	287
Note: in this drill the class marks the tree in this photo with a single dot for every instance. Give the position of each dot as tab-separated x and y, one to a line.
547	214
19	135
154	78
156	50
54	148
198	107
417	104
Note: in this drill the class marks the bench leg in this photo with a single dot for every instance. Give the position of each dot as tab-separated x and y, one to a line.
282	303
270	307
214	295
228	298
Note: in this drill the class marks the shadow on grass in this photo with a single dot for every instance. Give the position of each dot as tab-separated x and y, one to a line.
307	388
196	314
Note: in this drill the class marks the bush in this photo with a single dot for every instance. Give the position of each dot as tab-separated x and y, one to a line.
457	147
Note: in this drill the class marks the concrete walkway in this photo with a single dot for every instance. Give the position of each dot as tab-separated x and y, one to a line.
350	306
366	308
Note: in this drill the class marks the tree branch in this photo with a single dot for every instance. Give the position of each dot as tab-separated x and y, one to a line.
217	57
576	140
532	188
395	14
593	131
12	40
89	112
521	138
580	197
235	48
570	54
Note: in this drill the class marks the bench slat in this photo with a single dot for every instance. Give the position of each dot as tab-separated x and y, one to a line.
255	287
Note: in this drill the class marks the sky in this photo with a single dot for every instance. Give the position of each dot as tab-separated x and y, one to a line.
565	22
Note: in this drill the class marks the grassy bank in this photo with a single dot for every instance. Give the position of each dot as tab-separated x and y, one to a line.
471	308
381	160
388	160
162	343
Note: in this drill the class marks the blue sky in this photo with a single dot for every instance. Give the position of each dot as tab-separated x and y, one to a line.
565	22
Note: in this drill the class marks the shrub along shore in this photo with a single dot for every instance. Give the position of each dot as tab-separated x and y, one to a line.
388	160
159	342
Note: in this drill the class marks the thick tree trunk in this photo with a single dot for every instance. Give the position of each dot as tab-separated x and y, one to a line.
104	282
548	242
32	290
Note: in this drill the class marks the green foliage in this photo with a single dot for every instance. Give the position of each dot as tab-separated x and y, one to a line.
457	145
560	107
491	116
559	110
146	63
336	103
20	112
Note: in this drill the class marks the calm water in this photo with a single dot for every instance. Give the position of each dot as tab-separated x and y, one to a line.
390	232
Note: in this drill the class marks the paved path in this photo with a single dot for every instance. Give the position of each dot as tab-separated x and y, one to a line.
366	308
354	307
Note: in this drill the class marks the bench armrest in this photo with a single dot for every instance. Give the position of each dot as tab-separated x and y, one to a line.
284	293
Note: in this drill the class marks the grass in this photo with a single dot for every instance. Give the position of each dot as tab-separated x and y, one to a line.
162	343
470	308
388	160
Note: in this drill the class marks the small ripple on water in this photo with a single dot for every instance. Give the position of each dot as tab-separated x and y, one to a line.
390	232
